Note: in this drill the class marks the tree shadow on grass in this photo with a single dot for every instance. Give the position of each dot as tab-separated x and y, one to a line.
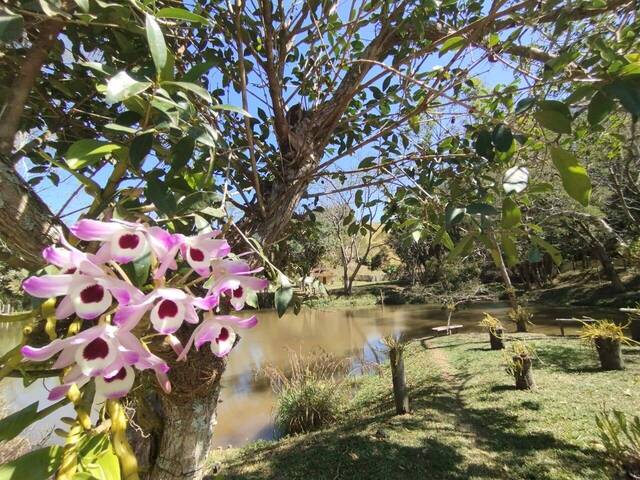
579	358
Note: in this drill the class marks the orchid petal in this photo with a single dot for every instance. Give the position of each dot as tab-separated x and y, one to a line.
95	230
48	286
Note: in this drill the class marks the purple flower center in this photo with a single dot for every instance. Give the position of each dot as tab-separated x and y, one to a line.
224	335
168	308
196	254
92	294
71	270
98	348
122	373
129	240
237	293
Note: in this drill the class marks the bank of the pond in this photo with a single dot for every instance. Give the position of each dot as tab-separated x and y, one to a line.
467	422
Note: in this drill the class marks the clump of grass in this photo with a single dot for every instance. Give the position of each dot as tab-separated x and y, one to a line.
521	317
620	437
604	329
491	323
310	391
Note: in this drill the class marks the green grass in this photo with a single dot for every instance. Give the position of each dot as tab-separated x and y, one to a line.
468	421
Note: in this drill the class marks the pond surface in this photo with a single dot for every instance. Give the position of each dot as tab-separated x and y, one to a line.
247	404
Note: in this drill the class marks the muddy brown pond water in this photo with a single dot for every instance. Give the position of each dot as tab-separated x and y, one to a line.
247	404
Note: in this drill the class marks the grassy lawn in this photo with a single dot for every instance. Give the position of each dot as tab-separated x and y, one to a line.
468	422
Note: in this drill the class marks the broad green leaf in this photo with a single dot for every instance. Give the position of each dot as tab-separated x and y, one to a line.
14	424
231	108
358	198
84	5
483	143
121	87
502	138
575	178
524	104
37	464
453	43
481	209
156	43
11	27
462	247
510	250
283	298
158	193
138	270
630	70
511	214
444	238
627	91
181	153
180	14
515	179
553	120
87	151
599	107
191	87
197	71
453	215
547	247
140	148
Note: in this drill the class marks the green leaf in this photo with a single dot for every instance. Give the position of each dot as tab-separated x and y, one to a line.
553	120
283	298
191	87
121	87
181	153
453	215
481	209
444	238
156	43
511	214
11	426
416	235
37	464
453	43
524	104
462	247
232	108
358	199
547	247
180	14
502	138
11	27
599	107
138	270
140	148
197	71
575	178
510	250
628	93
483	143
158	193
87	151
630	70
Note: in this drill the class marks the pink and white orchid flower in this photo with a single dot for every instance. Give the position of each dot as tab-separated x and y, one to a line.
124	241
218	330
86	296
100	351
239	287
198	251
169	308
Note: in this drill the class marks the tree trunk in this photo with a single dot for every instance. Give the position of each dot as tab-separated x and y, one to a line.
400	393
504	273
26	223
495	339
609	268
523	372
610	354
188	416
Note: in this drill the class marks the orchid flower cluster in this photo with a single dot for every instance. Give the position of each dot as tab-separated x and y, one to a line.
95	289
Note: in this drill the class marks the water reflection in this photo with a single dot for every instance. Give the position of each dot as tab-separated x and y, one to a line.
246	407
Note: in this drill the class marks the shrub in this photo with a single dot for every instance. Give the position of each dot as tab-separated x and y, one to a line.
521	317
620	437
309	391
491	323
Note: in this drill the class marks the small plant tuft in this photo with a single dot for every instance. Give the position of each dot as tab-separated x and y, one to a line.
607	337
521	316
620	437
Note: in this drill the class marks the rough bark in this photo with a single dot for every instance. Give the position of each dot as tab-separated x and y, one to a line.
26	223
610	353
398	377
495	339
608	267
523	373
189	417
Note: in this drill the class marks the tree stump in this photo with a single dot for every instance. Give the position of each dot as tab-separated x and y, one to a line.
400	392
521	326
635	329
610	353
523	372
495	338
